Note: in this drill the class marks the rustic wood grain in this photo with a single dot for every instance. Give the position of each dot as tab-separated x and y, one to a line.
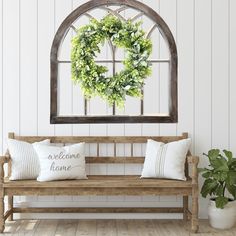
136	191
98	210
28	227
132	227
46	228
101	181
106	228
122	227
67	227
11	135
194	219
146	229
1	199
8	213
185	206
99	139
12	227
86	228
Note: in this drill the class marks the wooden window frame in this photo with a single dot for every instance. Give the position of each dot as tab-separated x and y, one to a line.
172	116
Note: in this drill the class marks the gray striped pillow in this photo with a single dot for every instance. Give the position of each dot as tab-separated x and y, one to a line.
165	160
25	162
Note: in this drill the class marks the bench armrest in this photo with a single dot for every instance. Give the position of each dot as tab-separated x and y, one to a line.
193	160
4	159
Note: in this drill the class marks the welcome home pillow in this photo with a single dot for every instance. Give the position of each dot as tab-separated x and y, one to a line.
25	163
58	163
165	160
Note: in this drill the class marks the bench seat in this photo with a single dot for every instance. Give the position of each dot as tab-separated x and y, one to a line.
102	181
100	185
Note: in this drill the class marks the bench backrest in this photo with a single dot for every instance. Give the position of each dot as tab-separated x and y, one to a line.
96	143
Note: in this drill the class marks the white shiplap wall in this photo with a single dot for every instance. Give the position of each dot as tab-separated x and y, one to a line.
205	31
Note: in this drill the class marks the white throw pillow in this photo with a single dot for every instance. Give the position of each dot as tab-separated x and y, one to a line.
58	163
165	160
25	163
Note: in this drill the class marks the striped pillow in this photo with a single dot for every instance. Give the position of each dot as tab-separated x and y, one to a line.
25	163
165	160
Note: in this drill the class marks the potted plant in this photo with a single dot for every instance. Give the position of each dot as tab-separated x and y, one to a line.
220	185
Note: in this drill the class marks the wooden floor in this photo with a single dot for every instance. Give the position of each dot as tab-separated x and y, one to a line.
109	228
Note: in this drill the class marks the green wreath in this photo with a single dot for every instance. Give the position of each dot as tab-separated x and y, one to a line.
92	77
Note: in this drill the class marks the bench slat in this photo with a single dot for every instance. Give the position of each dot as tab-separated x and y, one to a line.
111	159
99	191
98	210
99	139
102	181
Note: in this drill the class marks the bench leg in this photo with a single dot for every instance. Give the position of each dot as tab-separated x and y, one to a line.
194	220
10	206
185	208
2	222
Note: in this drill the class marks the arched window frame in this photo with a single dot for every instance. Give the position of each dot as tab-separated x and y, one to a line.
62	31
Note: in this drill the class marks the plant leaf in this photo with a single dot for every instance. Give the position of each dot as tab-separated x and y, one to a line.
208	187
219	190
233	163
219	164
231	189
220	175
232	177
213	153
221	202
207	174
228	154
202	170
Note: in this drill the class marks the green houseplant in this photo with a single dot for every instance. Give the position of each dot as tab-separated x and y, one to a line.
220	185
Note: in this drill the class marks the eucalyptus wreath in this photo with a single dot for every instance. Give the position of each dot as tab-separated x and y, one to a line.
92	77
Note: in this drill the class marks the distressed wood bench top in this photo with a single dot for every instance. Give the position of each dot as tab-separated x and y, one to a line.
102	181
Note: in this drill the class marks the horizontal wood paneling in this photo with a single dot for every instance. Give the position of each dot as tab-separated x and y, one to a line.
205	34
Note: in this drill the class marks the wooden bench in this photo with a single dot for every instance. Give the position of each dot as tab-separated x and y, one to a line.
103	184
